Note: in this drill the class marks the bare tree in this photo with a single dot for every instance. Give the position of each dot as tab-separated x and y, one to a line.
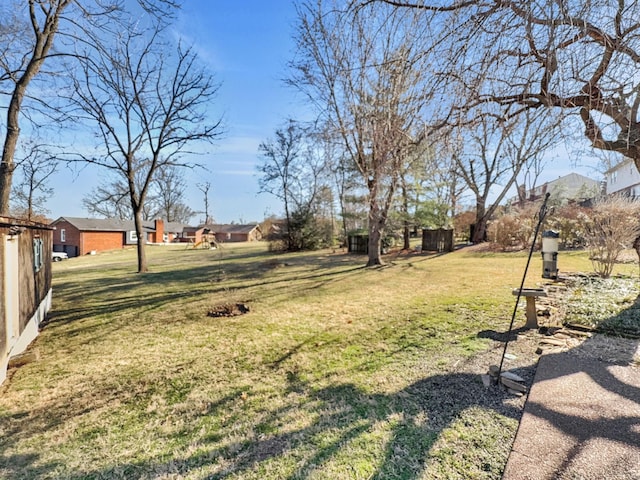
28	32
577	57
490	153
148	106
611	226
18	70
291	172
365	70
204	188
31	193
168	191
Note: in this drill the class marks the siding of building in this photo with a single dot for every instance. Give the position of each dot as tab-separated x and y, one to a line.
25	285
623	178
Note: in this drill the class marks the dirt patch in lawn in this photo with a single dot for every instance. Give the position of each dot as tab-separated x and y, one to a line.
228	310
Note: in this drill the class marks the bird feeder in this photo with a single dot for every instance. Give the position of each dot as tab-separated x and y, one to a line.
550	240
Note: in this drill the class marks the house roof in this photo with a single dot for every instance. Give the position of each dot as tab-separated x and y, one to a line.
173	227
115	225
231	228
19	222
622	163
98	224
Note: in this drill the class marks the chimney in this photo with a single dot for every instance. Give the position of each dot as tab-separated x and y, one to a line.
159	230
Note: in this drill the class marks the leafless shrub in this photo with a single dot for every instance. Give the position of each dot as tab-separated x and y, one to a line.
513	230
611	226
569	222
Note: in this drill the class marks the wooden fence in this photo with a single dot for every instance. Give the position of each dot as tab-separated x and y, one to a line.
439	240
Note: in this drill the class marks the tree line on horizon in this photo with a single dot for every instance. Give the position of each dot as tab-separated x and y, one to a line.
420	107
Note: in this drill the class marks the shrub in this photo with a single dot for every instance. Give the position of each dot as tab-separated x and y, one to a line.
611	226
569	222
514	230
304	231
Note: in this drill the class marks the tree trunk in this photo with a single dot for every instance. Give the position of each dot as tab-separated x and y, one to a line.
7	167
375	234
142	257
405	210
480	230
636	246
375	244
406	234
6	176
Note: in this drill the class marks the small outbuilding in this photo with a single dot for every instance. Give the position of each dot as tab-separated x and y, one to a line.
25	286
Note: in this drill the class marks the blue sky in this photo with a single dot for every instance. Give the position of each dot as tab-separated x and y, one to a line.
246	44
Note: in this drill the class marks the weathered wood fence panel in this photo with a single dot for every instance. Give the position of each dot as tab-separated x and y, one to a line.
358	244
439	240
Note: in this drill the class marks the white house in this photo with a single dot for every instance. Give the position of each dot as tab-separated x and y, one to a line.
623	178
569	187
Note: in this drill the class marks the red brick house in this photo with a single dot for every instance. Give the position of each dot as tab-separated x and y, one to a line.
192	235
80	236
235	233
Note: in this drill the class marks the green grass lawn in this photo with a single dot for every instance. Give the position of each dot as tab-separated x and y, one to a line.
336	372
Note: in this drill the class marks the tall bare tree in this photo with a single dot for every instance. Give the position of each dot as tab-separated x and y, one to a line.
30	194
577	57
365	69
291	172
148	106
205	188
169	189
21	58
489	153
29	32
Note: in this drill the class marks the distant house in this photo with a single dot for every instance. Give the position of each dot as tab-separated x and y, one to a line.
80	236
192	235
234	233
568	187
623	178
25	285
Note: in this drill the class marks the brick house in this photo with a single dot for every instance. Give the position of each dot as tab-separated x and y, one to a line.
80	236
192	235
235	233
25	285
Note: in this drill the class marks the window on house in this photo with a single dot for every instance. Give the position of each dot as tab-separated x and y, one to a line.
132	236
38	258
63	235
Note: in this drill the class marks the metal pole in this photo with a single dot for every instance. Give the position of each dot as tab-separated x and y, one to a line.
541	214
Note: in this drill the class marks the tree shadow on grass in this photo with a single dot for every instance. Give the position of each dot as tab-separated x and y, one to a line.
112	297
346	419
503	336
